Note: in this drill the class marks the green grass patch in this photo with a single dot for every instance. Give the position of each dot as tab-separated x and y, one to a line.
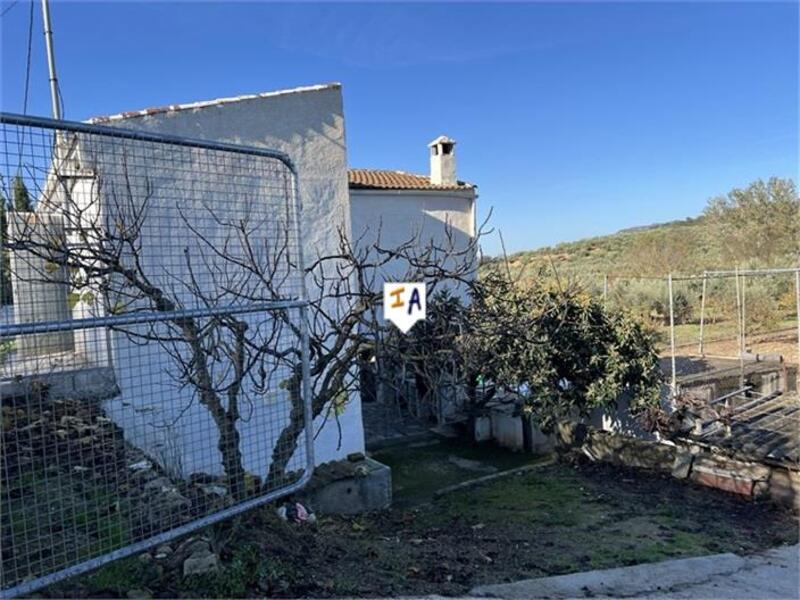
532	498
56	519
419	471
119	576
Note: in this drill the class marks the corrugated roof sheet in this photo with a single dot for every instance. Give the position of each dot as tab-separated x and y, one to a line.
378	179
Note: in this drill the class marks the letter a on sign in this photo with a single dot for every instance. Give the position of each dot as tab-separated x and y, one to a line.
404	304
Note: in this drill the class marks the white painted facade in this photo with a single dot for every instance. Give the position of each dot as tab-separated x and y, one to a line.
308	125
391	216
396	216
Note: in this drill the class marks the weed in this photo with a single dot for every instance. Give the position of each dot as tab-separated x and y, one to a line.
249	570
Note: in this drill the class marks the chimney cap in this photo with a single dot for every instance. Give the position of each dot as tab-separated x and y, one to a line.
442	139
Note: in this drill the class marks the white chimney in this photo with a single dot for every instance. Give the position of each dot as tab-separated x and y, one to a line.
443	161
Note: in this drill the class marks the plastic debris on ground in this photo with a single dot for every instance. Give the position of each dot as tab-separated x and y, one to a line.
296	512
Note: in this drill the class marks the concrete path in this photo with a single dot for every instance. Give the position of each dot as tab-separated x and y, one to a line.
770	575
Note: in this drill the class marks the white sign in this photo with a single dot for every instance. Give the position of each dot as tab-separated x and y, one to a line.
404	304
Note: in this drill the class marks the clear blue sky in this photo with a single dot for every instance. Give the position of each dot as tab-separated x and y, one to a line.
574	119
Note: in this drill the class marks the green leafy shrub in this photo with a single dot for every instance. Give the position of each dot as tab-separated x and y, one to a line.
556	350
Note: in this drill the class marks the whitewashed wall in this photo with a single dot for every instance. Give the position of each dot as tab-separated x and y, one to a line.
395	216
308	125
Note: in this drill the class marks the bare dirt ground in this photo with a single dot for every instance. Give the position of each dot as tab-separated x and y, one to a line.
783	342
562	518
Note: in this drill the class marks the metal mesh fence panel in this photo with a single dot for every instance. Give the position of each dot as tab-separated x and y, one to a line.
153	351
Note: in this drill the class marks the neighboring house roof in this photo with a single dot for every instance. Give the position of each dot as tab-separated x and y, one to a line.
206	103
378	179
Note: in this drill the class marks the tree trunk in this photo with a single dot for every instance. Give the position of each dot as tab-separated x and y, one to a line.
232	457
287	442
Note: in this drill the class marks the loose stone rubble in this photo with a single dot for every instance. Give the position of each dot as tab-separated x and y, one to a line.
73	446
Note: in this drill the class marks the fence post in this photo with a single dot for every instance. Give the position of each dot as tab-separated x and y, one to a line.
674	379
703	312
744	314
605	288
739	324
797	300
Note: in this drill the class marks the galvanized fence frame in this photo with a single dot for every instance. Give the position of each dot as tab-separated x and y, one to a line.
739	297
16	585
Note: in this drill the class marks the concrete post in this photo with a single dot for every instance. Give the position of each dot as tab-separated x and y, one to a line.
41	288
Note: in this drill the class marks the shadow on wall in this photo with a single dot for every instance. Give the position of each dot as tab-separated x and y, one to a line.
394	226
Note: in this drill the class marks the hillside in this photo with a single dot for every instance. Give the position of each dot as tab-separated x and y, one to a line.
652	250
754	227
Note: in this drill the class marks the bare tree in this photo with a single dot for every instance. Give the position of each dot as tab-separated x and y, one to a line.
226	360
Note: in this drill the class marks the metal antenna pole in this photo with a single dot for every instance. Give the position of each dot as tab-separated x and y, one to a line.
51	61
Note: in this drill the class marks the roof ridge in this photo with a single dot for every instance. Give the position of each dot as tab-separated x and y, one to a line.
392	179
207	103
386	171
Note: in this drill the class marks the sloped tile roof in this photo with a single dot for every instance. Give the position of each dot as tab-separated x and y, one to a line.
377	179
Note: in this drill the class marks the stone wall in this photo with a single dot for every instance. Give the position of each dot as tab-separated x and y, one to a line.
691	462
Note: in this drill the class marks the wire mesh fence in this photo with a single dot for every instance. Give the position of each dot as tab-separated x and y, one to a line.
714	313
153	350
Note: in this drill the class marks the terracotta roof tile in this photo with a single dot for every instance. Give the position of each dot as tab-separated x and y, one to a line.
377	179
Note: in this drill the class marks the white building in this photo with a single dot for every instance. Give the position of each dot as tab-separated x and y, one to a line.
307	124
391	208
395	207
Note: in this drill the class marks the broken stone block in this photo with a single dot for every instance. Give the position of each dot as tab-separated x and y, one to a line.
784	488
728	474
200	562
160	484
682	465
628	451
163	551
215	490
761	489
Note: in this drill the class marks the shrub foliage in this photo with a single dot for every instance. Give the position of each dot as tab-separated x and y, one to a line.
554	351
